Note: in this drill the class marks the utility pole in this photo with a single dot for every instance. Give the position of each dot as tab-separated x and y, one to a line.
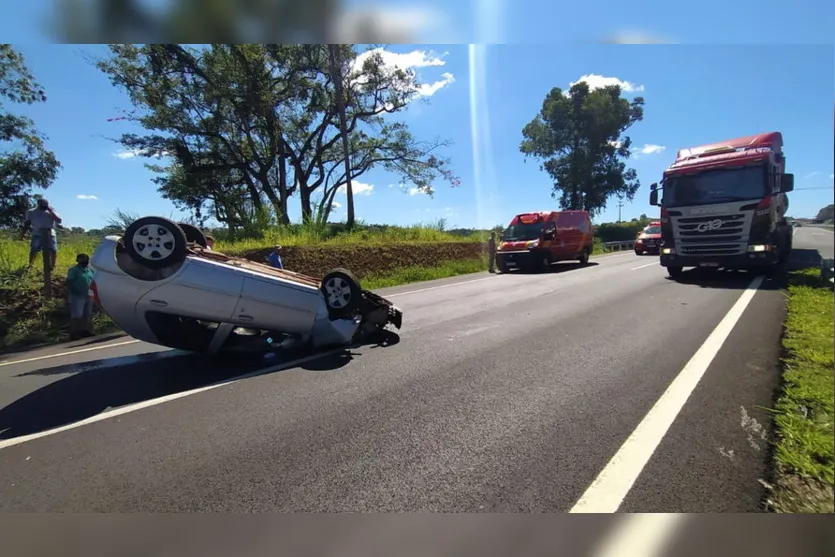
336	76
620	206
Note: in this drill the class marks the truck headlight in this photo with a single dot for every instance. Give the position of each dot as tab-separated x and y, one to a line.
532	244
668	251
756	248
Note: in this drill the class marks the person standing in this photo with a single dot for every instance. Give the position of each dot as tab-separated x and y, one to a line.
79	297
274	258
42	220
491	251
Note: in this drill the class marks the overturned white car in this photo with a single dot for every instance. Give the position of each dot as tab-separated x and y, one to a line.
160	284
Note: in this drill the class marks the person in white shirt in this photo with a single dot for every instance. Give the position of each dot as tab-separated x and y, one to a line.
42	220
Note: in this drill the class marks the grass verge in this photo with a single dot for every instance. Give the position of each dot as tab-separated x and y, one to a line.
803	454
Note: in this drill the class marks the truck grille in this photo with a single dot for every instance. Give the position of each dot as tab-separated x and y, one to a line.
712	234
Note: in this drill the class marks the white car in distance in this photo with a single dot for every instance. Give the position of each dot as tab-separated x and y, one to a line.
160	284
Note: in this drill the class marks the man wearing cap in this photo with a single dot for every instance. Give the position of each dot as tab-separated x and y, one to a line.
274	258
42	221
79	297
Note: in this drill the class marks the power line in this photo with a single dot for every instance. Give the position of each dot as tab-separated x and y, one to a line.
814	188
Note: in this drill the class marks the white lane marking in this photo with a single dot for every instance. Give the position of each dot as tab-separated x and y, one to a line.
161	400
641	535
608	490
644	266
70	353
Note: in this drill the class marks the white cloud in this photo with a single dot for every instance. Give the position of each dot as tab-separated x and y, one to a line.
131	153
416	191
358	188
421	24
636	37
88	197
409	61
650	149
595	81
336	205
126	154
812	175
615	144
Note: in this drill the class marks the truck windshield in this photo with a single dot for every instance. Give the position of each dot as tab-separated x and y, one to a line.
718	185
522	232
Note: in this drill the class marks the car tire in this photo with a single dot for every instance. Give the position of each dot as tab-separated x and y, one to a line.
545	263
584	257
155	242
675	272
639	252
502	268
193	234
342	292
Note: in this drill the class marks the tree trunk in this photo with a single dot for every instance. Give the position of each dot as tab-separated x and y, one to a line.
283	194
304	194
336	73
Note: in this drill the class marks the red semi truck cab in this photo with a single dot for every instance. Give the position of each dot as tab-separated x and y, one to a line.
534	241
724	205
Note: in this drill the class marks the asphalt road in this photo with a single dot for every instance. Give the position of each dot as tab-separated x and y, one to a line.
503	393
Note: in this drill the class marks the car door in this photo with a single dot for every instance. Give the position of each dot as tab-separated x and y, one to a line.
277	304
201	289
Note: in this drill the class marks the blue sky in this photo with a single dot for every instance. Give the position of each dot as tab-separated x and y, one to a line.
694	94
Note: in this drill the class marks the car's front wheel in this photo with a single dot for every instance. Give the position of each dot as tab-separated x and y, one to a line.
155	242
342	292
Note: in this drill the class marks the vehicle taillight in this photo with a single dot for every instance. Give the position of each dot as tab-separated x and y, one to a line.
765	203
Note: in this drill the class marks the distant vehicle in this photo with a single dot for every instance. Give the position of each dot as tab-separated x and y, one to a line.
724	205
160	284
533	241
649	239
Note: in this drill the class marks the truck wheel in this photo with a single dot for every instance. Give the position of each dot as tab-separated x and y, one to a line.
193	234
584	257
675	272
342	292
155	242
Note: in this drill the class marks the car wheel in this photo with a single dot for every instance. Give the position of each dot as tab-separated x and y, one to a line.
342	292
584	258
502	268
193	234
545	263
675	272
155	242
639	252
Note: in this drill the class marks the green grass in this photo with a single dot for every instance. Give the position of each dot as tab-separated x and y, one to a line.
803	455
419	274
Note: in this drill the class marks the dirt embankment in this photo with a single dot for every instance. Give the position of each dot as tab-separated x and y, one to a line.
364	261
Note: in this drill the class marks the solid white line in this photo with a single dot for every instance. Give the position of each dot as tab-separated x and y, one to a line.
641	535
644	266
608	490
161	400
70	353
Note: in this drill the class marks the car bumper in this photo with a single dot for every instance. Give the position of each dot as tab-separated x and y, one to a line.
743	261
519	259
646	248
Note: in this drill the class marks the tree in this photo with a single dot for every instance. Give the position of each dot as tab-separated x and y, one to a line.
578	137
826	214
25	164
248	126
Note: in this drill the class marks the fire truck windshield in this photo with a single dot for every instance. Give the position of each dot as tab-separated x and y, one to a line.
719	185
522	232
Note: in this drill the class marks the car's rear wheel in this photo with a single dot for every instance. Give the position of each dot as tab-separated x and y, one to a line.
155	242
193	234
342	292
584	257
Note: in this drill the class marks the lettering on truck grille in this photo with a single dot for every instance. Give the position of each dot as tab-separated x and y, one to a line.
712	234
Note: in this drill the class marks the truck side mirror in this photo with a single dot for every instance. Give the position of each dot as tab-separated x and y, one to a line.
653	194
786	183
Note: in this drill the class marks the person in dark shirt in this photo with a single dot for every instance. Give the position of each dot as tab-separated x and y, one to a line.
491	251
274	258
79	297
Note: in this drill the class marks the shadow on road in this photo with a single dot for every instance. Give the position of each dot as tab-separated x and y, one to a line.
95	386
729	280
560	267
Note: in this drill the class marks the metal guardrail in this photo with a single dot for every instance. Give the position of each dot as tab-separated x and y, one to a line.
625	244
